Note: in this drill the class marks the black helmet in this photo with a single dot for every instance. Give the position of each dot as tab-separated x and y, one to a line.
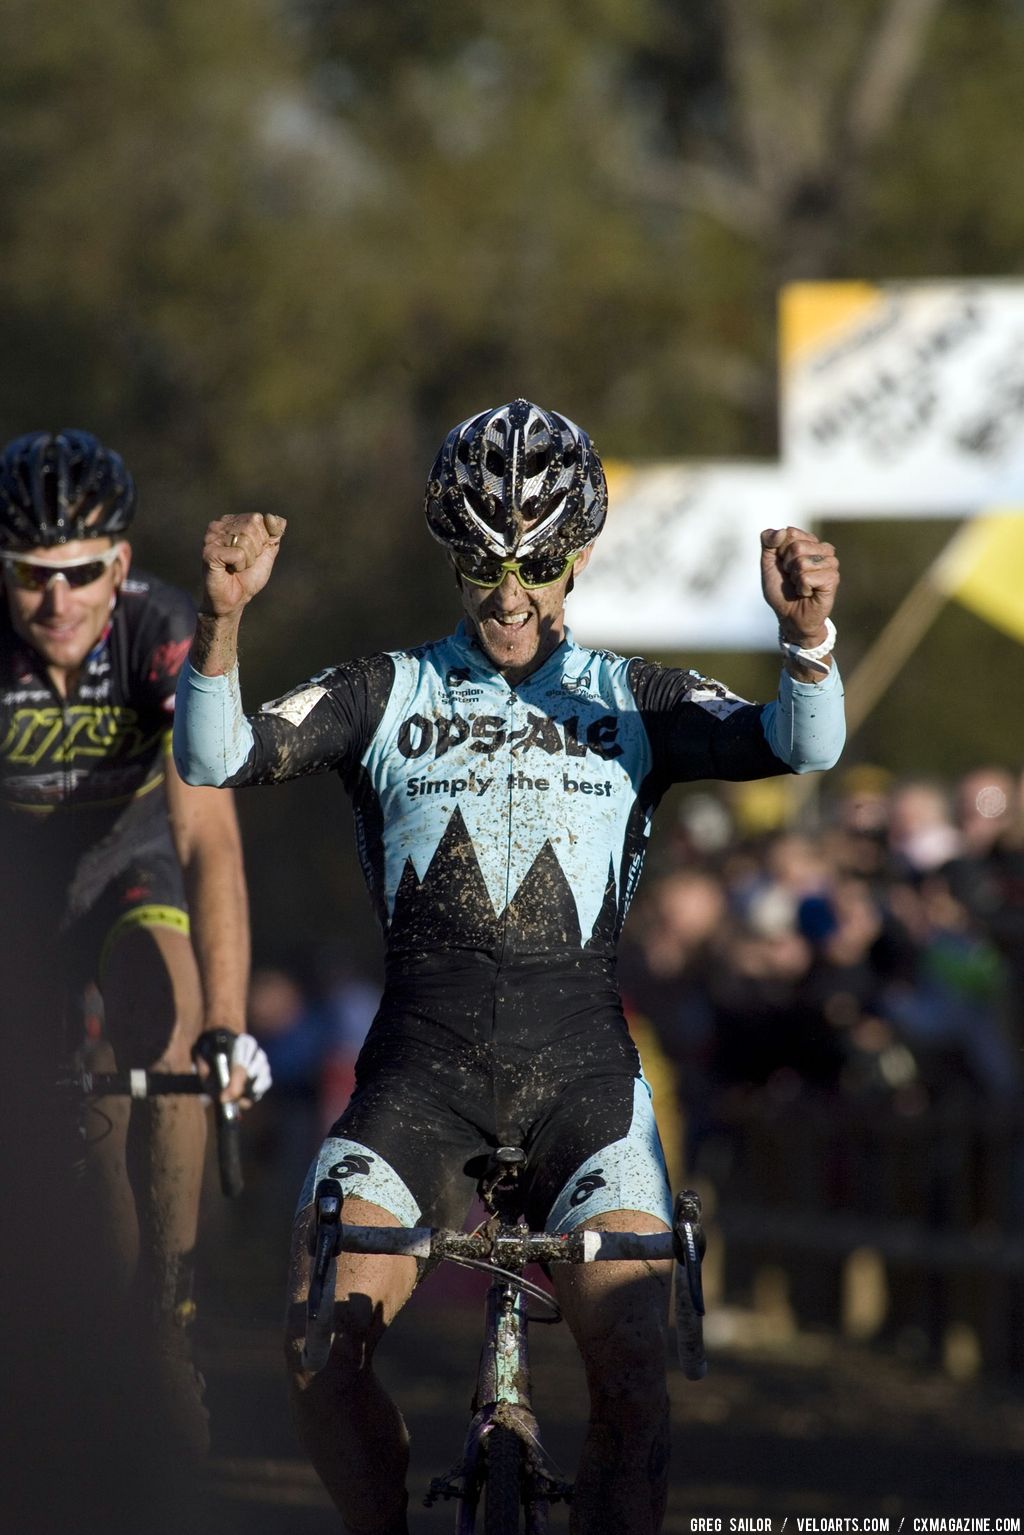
57	488
506	468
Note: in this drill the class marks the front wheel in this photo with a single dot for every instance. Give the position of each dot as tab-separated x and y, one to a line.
503	1488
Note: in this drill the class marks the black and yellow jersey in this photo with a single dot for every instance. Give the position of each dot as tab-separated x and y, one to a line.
81	777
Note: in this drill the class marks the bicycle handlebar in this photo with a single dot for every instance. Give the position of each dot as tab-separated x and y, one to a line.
216	1047
509	1248
138	1084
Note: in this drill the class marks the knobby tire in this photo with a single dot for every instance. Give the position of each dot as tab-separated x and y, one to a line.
503	1488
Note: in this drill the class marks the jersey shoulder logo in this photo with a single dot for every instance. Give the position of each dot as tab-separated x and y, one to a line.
713	697
166	661
295	706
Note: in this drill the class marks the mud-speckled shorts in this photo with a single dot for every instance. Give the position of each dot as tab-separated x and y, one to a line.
552	1070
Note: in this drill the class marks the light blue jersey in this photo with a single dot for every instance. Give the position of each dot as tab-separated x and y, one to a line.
501	819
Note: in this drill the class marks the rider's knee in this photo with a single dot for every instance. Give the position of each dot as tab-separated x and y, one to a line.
358	1331
176	1054
626	1365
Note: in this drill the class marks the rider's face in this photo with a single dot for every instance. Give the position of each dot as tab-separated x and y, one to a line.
63	622
518	626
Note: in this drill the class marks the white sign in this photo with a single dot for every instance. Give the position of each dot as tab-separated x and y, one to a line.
904	400
678	566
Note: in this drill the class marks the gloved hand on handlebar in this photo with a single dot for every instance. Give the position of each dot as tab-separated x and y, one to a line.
250	1070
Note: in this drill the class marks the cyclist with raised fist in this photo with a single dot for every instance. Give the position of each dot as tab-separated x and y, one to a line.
503	781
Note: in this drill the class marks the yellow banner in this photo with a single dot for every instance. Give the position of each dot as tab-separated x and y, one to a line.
984	569
814	315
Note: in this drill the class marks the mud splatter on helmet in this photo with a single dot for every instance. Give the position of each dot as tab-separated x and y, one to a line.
514	481
58	487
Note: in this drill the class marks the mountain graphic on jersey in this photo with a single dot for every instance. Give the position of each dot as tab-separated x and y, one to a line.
450	907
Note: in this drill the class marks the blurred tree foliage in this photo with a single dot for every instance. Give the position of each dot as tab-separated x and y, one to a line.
273	250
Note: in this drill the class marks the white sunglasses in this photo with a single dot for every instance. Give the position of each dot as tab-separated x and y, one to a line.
36	575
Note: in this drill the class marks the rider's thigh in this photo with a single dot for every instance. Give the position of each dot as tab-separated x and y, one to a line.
618	1312
152	999
370	1291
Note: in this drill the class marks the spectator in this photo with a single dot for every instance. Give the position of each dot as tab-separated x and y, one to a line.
922	836
988	876
952	1014
663	971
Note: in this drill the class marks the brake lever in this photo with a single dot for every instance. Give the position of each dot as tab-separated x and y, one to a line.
324	1241
689	1244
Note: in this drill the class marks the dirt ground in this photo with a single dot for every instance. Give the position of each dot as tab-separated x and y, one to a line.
811	1429
796	1433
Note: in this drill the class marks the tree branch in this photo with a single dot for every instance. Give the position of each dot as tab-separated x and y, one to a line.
695	188
890	63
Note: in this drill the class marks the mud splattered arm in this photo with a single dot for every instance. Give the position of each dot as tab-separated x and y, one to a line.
699	729
322	725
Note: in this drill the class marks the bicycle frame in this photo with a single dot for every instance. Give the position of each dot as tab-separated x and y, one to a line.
503	1389
503	1401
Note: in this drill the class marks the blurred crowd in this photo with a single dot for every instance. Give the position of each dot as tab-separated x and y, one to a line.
881	955
311	1016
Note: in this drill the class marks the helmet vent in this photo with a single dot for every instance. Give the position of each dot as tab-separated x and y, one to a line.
542	506
480	504
50	487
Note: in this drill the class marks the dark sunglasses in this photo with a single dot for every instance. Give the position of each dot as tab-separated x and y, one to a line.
35	576
535	570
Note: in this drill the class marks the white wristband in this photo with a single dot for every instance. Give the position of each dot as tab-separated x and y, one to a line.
811	658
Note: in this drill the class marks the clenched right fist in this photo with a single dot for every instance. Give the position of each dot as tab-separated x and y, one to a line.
238	555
